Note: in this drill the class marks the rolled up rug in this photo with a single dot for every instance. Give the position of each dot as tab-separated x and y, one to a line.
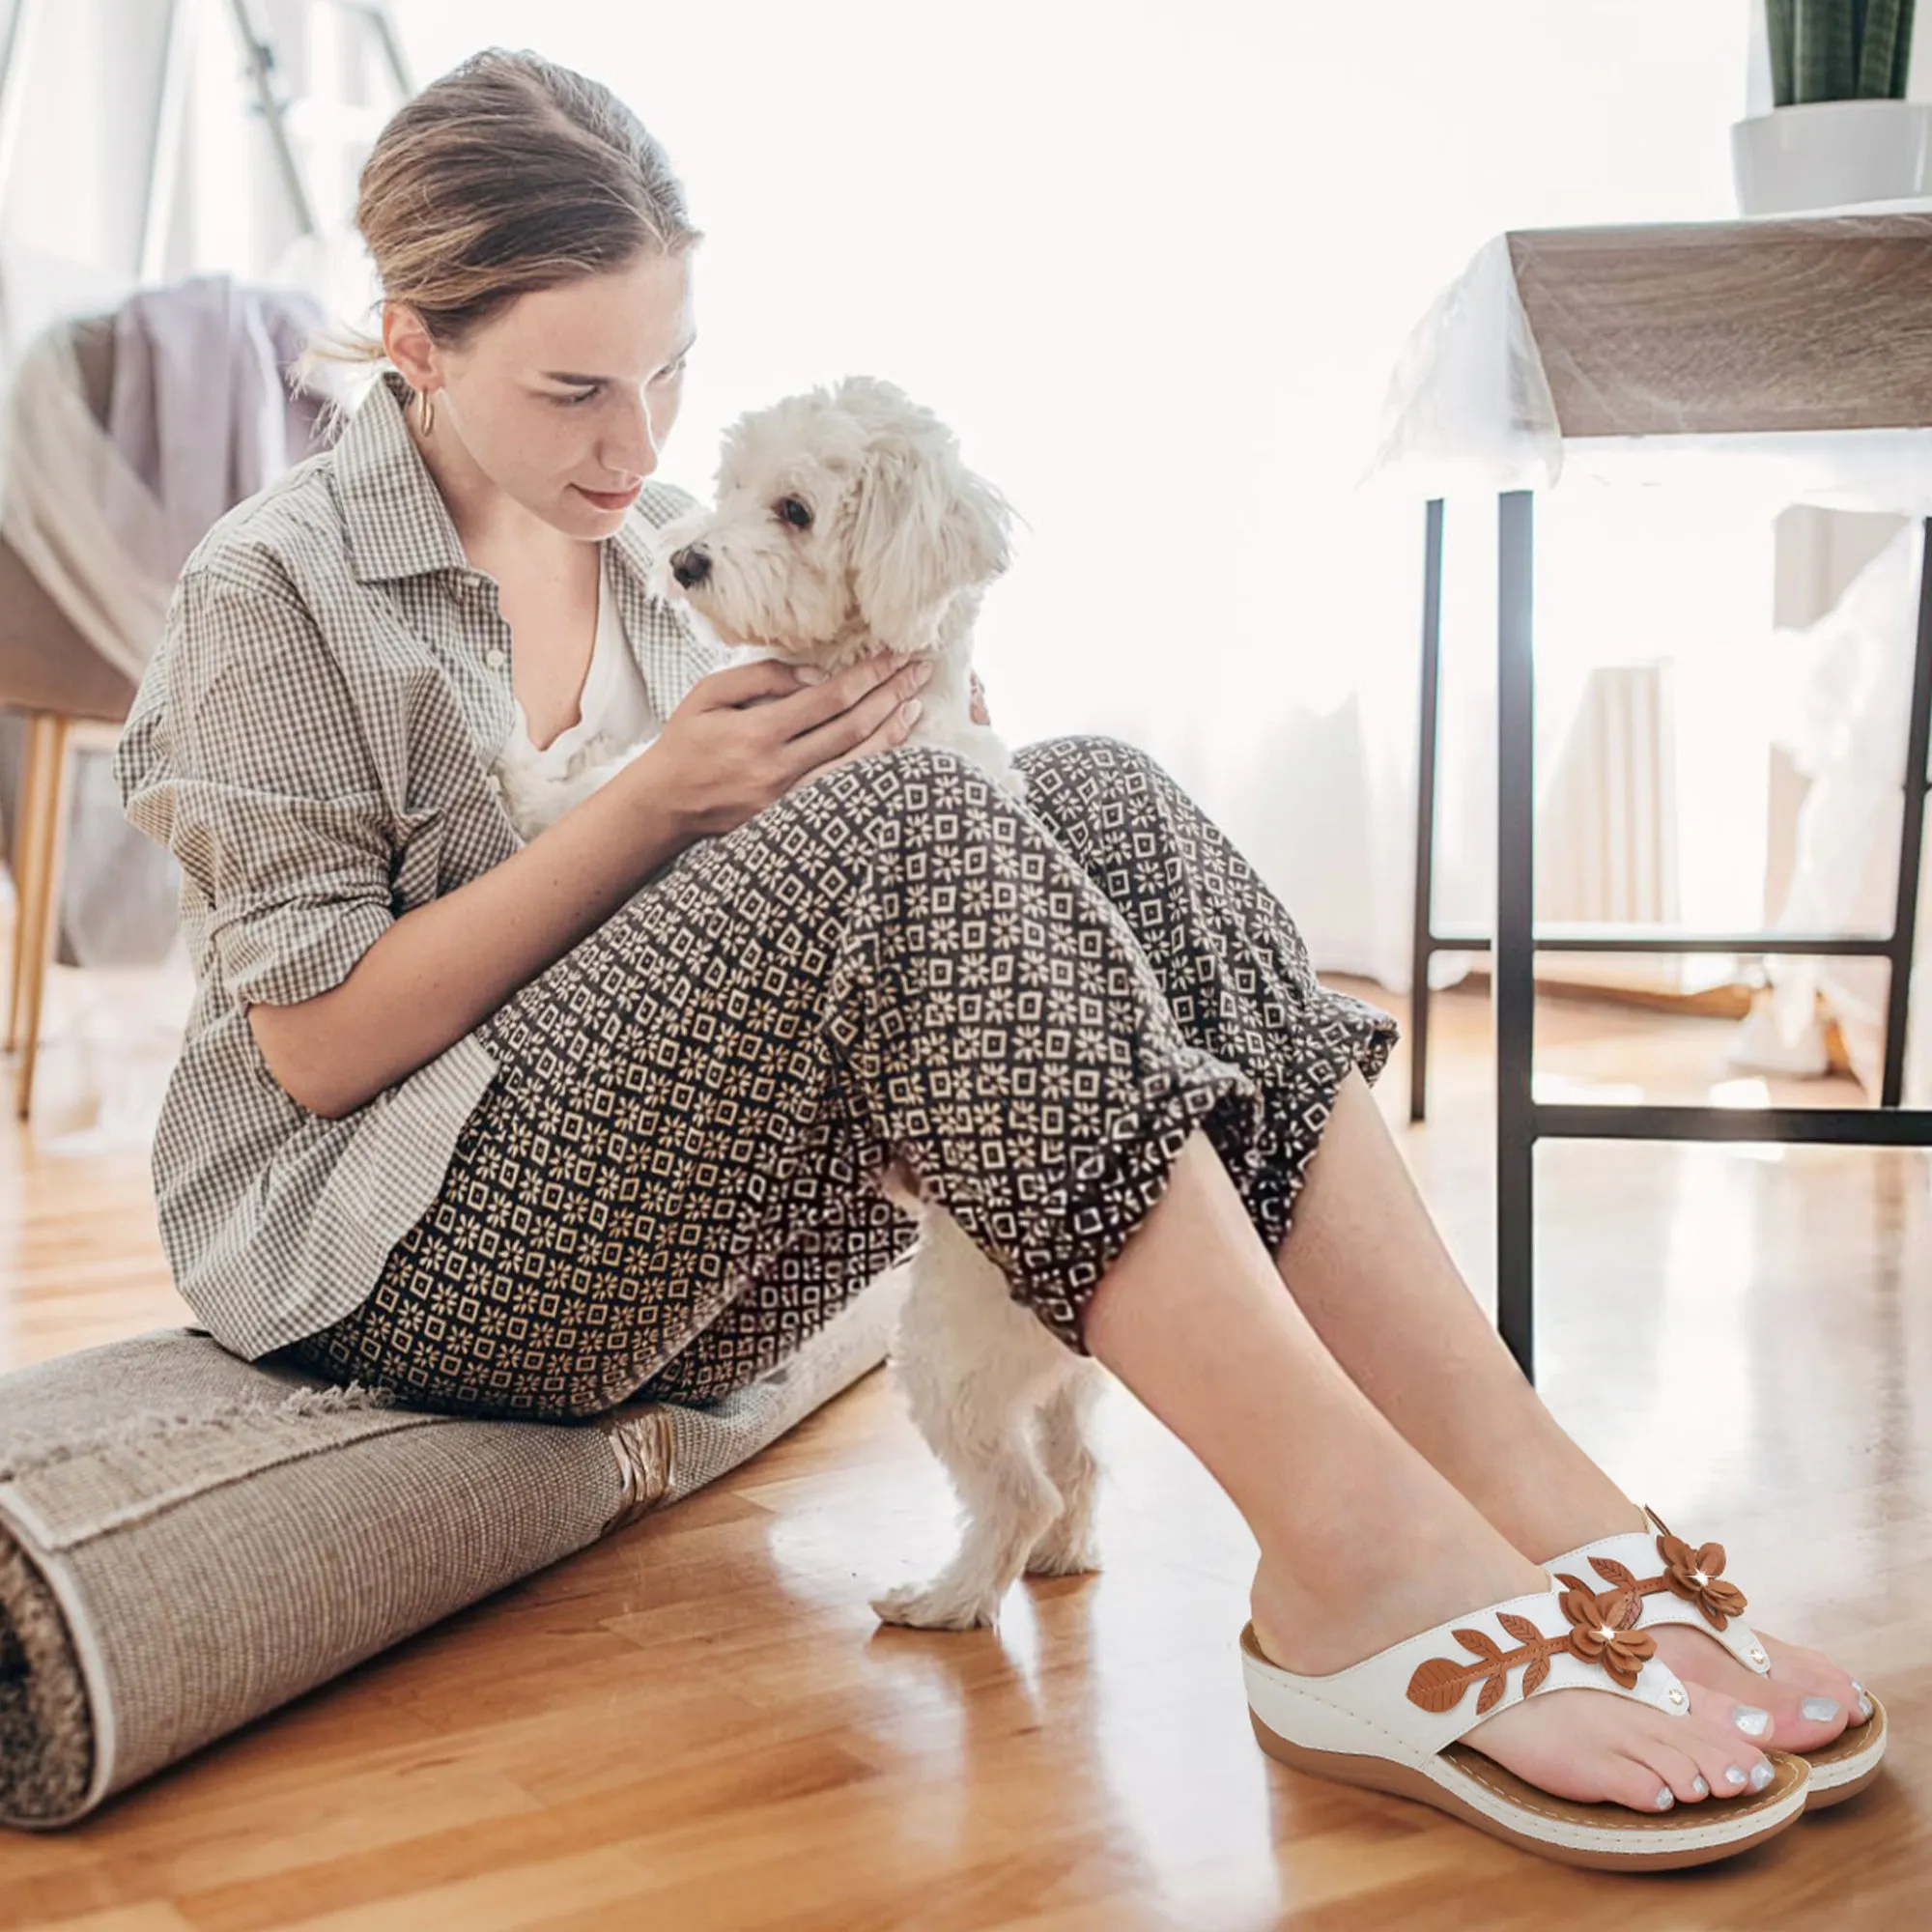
189	1540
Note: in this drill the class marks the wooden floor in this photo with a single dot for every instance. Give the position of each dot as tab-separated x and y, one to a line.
698	1723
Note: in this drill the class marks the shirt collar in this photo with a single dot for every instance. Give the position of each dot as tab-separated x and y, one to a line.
397	523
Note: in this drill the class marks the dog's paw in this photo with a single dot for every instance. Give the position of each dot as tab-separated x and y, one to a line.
1064	1550
935	1606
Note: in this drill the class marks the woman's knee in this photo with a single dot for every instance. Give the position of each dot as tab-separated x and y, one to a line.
1086	753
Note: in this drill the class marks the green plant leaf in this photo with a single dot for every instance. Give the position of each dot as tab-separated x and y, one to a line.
1826	59
1781	21
1878	48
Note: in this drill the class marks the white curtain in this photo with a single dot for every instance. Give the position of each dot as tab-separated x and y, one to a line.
1155	264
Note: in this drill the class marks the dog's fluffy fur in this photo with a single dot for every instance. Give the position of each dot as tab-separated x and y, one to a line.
903	540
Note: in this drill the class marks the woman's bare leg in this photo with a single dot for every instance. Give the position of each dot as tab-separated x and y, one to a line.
1367	1267
1363	1542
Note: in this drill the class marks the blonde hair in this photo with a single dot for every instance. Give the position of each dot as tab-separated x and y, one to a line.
508	174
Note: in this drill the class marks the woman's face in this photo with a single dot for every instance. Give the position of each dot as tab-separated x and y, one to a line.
564	400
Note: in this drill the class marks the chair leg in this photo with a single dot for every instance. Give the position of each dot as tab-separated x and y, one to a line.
26	855
39	939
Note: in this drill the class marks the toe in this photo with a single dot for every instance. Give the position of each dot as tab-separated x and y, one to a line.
1777	1717
1638	1784
1678	1770
1799	1720
1728	1765
1819	1682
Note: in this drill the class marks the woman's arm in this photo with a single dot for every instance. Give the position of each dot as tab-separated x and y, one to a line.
440	968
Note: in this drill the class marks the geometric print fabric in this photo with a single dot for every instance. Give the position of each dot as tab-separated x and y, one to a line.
668	1186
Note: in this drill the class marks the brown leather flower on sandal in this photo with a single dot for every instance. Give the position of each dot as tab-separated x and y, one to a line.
1602	1629
1697	1575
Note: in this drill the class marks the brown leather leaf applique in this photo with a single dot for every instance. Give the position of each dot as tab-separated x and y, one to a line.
1697	1575
1599	1633
1618	1576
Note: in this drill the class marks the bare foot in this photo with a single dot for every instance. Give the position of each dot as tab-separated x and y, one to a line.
1579	1744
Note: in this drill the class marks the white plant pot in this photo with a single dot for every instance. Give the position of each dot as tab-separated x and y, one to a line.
1829	154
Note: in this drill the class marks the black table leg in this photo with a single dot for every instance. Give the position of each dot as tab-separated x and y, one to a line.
1513	955
1911	841
1421	932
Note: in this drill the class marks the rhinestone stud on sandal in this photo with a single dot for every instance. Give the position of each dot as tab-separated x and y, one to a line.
1674	1583
1392	1723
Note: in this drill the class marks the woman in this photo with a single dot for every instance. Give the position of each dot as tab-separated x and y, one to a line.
528	1129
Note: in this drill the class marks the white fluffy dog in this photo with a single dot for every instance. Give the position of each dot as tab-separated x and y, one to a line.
846	524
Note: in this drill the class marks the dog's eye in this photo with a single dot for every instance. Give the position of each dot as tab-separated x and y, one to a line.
791	511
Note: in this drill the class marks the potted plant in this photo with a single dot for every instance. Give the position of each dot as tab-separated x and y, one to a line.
1841	129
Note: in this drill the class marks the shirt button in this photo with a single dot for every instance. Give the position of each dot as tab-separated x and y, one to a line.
494	658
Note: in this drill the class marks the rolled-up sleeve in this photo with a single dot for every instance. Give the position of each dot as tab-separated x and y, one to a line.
243	756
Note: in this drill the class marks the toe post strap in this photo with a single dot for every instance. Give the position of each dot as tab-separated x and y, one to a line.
1669	1581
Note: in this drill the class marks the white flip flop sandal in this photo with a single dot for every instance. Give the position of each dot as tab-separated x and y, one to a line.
1677	1582
1392	1723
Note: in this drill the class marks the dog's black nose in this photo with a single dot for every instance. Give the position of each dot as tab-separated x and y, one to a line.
689	565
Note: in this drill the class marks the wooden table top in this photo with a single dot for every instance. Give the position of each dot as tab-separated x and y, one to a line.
1807	323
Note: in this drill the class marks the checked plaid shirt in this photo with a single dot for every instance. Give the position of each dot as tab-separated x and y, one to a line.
312	741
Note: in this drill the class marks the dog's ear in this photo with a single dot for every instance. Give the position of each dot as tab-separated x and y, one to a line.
924	528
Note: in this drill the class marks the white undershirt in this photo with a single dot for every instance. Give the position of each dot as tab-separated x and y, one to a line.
614	713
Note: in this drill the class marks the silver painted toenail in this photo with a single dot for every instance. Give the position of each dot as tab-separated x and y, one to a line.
1734	1774
1864	1707
1819	1710
1751	1720
1761	1774
1702	1789
1665	1799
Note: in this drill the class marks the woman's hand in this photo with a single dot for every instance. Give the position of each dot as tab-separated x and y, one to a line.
749	734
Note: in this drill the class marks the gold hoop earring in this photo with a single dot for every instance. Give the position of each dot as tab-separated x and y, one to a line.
427	411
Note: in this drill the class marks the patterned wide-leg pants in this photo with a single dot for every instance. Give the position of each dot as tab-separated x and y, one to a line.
671	1183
